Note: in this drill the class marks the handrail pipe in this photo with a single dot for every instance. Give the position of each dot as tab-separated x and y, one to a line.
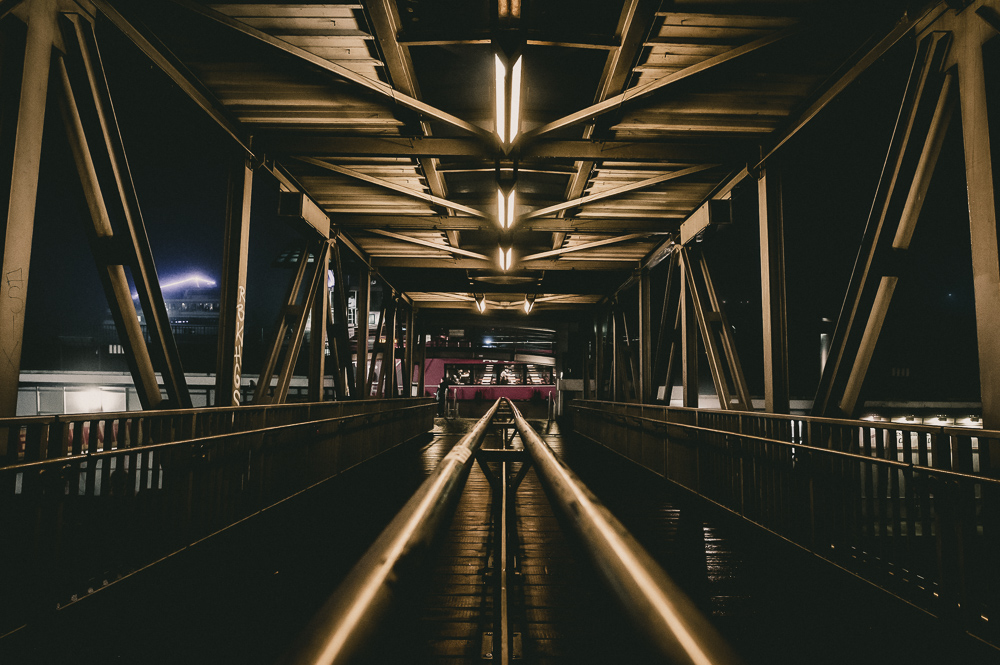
346	621
655	603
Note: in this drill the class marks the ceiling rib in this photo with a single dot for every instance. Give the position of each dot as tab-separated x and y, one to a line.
585	246
375	86
417	194
637	92
624	189
428	243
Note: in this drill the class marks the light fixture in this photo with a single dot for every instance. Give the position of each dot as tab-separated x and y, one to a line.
480	302
505	258
506	205
515	98
501	99
529	302
508	98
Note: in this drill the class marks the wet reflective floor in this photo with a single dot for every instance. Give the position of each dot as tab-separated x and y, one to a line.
243	595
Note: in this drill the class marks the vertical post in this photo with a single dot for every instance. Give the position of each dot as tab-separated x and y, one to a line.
689	341
982	214
233	288
772	287
317	334
361	329
585	352
346	369
23	193
615	360
411	338
389	354
376	346
421	360
645	380
599	355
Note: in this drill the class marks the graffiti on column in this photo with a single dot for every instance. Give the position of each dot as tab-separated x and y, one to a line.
15	292
241	301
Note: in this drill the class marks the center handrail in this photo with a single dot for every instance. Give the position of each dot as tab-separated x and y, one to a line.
657	605
351	614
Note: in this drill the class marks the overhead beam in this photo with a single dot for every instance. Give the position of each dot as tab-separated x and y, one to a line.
386	184
585	246
170	65
638	92
479	264
617	191
634	23
900	30
427	243
655	257
386	25
387	91
549	224
306	144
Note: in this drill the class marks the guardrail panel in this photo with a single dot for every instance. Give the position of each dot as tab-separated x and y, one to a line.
90	498
909	507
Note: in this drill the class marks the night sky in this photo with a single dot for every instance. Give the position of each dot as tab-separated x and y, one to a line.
179	163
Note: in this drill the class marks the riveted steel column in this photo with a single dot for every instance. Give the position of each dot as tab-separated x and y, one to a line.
101	237
772	288
410	343
320	316
689	341
982	213
232	311
644	391
389	353
361	330
23	192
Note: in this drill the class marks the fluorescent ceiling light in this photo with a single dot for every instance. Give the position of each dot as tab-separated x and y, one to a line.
515	98
501	203
505	258
501	81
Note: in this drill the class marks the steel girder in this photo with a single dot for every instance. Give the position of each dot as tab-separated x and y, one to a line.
913	151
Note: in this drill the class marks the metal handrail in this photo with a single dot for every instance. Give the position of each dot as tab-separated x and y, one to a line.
831	452
179	443
666	615
349	617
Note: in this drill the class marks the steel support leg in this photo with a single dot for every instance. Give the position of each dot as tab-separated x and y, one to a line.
645	379
233	289
689	339
110	266
361	330
905	177
666	336
346	369
389	355
982	213
23	191
408	362
772	287
86	73
317	335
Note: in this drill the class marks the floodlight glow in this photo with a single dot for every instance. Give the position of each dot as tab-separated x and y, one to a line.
515	98
510	210
529	302
501	214
501	81
200	282
480	302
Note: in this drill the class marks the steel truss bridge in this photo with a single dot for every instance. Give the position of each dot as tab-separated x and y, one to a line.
546	163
